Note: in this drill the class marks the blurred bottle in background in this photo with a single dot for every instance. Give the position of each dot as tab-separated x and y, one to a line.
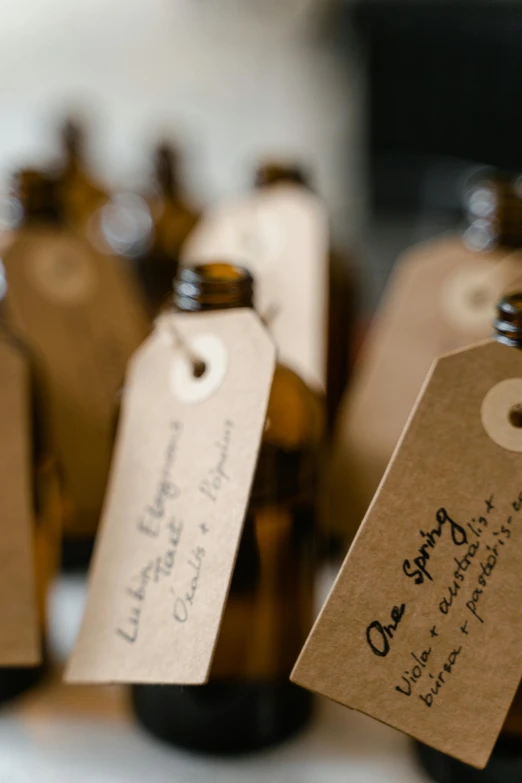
342	297
173	218
249	701
441	297
78	311
149	229
45	496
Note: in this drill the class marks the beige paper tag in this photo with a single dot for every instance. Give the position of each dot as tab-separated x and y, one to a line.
79	311
180	483
19	627
281	234
441	297
423	624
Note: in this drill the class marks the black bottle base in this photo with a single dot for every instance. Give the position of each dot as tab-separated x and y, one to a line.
76	553
504	766
16	680
223	718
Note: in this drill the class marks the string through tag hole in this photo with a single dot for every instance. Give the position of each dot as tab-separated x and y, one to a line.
199	367
270	315
198	373
515	415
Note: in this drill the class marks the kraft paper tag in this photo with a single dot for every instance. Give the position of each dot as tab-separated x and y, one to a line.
80	313
281	234
180	483
441	297
422	627
19	628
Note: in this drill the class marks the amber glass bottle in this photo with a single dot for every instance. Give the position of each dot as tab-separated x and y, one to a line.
341	297
173	218
39	208
505	764
249	702
46	506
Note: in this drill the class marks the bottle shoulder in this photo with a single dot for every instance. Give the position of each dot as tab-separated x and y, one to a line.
175	220
40	233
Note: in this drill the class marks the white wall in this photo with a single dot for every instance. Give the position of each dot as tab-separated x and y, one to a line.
234	79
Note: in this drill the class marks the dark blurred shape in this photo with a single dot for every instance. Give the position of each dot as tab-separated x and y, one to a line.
81	194
166	169
504	766
173	218
36	196
441	83
73	142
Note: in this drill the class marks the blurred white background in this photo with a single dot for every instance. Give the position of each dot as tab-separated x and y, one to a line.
233	80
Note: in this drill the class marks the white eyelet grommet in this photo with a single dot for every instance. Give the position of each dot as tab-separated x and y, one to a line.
497	405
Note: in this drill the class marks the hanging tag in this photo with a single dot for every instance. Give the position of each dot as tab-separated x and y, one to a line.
78	310
423	624
281	235
19	629
180	483
441	297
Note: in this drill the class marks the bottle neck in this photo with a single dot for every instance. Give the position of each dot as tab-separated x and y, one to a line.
73	145
494	215
165	171
213	286
508	323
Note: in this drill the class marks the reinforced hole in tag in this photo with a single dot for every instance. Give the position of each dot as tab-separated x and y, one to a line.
198	373
501	414
515	415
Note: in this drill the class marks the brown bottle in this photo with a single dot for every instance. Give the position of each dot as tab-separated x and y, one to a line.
80	194
45	503
52	255
341	297
172	221
505	764
249	702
